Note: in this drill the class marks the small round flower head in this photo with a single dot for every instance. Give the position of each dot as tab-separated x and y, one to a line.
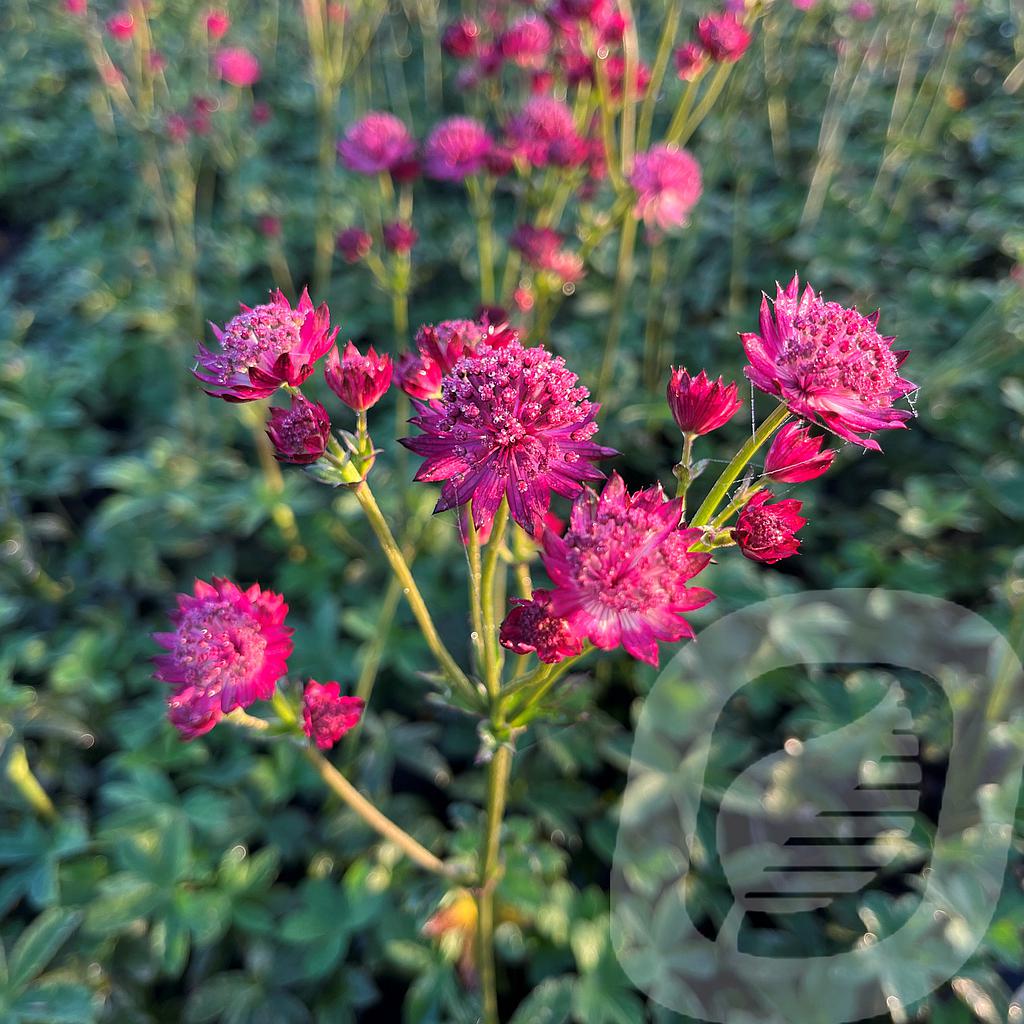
700	405
299	434
723	37
513	423
77	8
461	39
359	381
400	237
767	532
615	69
456	149
353	244
861	10
829	364
526	42
530	628
543	122
217	23
376	143
439	347
795	455
691	59
326	715
237	66
228	649
621	570
264	347
668	184
542	249
121	26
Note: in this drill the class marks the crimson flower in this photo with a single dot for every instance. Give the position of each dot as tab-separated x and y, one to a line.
723	37
237	66
439	347
668	184
526	42
326	715
542	125
300	433
795	455
353	244
376	143
698	404
767	532
359	381
691	59
456	149
461	38
530	628
621	570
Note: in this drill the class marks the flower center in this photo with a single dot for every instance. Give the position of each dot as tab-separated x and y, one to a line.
765	530
258	337
218	644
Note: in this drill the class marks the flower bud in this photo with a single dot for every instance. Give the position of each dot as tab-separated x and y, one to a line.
299	434
767	533
358	380
795	455
698	404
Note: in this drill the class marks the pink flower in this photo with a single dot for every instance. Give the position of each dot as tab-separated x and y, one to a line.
399	237
217	23
376	143
530	628
326	715
121	26
359	381
766	533
691	59
668	184
456	149
542	248
176	128
526	42
512	423
698	404
543	122
795	455
500	161
299	434
723	37
229	647
828	364
76	7
621	569
261	112
270	226
615	69
861	10
418	376
237	66
804	5
264	347
353	244
438	349
157	62
461	39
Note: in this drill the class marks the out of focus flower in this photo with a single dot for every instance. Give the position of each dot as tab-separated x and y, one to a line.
615	69
621	570
691	60
76	7
376	143
121	26
326	715
804	5
700	405
353	244
500	160
542	249
723	37
261	112
400	237
228	649
461	38
526	42
270	226
217	23
796	455
456	149
359	381
438	348
543	123
861	10
668	184
829	364
264	347
511	423
237	66
300	433
530	628
176	128
767	532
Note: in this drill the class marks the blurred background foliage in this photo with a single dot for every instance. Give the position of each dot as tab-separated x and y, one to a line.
149	880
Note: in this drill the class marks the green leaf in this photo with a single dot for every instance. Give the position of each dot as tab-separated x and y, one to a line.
55	1004
123	899
39	943
549	1003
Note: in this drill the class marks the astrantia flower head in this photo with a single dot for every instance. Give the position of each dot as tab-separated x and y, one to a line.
526	42
668	184
543	122
795	455
229	647
217	23
767	532
439	347
121	26
461	39
723	37
829	364
456	149
400	237
359	381
530	628
237	66
512	423
376	143
615	69
299	434
542	249
621	570
353	244
700	405
326	715
691	59
264	347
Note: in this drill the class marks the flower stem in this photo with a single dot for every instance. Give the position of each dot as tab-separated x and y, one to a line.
658	69
710	506
400	567
378	821
520	713
488	583
683	470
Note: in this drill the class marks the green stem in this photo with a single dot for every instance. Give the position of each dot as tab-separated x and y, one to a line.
652	329
488	580
475	573
707	101
623	279
546	680
710	506
658	69
684	468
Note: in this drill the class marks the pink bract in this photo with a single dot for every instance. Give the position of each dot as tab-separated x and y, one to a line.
829	364
767	532
376	143
621	570
691	59
264	347
700	405
359	381
526	42
326	715
543	123
795	455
